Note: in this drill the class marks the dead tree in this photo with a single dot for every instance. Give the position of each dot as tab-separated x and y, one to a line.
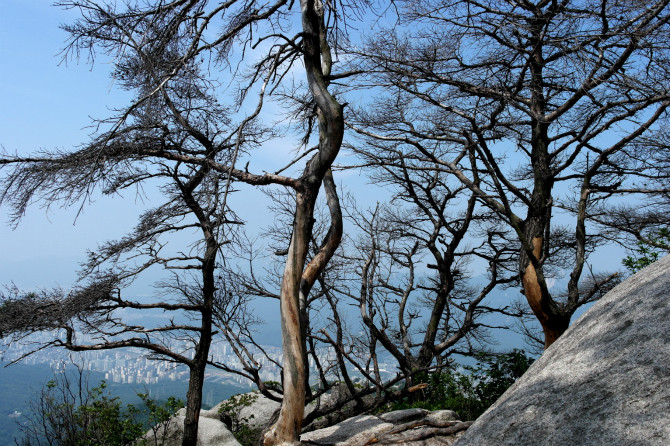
416	295
169	54
183	120
399	286
405	270
547	102
186	295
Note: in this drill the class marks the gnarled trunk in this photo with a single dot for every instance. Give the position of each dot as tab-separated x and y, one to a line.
317	59
198	364
287	428
553	321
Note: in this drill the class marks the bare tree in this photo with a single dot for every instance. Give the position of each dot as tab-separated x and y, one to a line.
405	272
547	102
171	56
416	296
195	201
399	287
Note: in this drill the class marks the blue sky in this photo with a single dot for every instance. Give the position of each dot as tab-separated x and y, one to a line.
49	104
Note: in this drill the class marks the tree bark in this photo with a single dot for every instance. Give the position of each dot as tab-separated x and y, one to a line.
193	404
206	305
318	62
286	431
553	321
197	373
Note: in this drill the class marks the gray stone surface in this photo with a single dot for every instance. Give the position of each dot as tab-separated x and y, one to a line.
412	427
258	413
442	416
343	411
403	416
353	431
211	432
606	381
437	440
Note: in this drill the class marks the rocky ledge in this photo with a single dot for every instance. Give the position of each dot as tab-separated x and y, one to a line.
407	427
606	381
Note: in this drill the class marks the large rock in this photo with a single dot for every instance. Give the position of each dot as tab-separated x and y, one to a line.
404	415
336	397
257	410
606	381
257	413
409	427
355	430
211	432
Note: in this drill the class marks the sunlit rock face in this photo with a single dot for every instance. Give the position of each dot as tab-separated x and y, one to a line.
211	431
606	381
409	427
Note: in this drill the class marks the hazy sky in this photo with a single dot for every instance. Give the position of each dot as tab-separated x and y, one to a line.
47	103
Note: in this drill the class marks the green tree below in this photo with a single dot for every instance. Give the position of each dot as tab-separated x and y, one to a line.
647	253
67	412
470	393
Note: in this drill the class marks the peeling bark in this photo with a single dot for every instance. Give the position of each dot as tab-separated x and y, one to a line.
296	282
553	322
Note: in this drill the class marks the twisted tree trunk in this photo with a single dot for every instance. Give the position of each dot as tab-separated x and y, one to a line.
296	280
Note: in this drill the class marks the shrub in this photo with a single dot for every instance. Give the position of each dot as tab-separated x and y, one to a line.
470	393
647	253
157	417
64	416
230	412
67	412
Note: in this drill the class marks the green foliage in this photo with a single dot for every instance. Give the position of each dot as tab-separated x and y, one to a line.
470	393
80	417
158	415
68	413
231	410
647	253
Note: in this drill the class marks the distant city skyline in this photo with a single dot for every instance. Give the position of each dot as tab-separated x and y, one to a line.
131	365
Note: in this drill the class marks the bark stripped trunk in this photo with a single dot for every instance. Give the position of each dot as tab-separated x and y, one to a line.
287	428
320	260
553	320
317	59
536	227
